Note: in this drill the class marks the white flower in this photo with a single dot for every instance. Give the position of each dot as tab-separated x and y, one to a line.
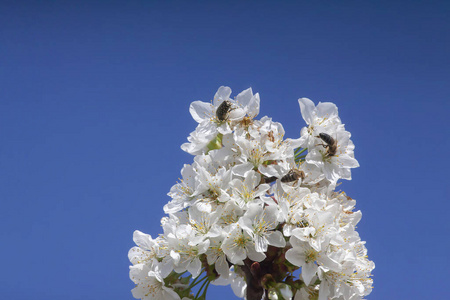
199	139
230	214
146	251
256	156
290	203
324	118
272	134
150	285
182	192
238	245
260	223
216	256
232	203
338	165
314	175
215	186
321	118
186	249
216	183
152	252
303	255
205	223
317	225
237	282
245	192
245	104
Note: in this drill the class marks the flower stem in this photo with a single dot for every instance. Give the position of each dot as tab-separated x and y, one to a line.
203	285
298	155
203	296
297	151
298	159
195	281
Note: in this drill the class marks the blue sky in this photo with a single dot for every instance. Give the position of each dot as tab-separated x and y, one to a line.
94	100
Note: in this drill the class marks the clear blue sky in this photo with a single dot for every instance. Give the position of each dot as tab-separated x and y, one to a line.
94	100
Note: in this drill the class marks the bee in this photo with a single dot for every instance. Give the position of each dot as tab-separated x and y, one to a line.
293	175
265	179
223	110
331	144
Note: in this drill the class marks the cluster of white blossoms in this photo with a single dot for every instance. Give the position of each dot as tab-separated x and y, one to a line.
257	211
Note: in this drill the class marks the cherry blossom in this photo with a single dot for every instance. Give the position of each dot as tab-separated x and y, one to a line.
258	211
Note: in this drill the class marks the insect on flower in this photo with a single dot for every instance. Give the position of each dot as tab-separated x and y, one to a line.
331	143
257	209
293	175
223	110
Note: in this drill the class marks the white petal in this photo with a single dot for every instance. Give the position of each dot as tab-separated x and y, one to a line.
222	267
169	294
270	170
295	241
307	107
137	292
236	114
346	174
314	157
242	169
137	255
239	287
327	110
253	106
308	272
237	255
175	256
276	239
143	240
251	180
328	263
255	255
286	291
261	243
246	223
204	206
296	257
201	111
223	93
244	97
324	290
332	172
224	129
347	161
300	142
195	267
166	267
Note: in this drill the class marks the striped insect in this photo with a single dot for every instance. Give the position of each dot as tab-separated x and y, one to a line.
293	176
330	143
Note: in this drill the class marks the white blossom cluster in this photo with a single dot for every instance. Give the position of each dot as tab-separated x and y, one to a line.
257	211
